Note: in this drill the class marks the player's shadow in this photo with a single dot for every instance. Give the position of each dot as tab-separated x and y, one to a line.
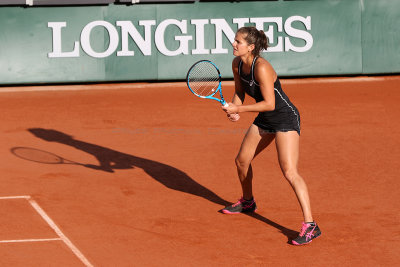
111	160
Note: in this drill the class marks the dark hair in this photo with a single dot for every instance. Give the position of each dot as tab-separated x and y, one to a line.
256	37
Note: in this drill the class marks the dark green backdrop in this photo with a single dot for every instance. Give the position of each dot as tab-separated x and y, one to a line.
331	37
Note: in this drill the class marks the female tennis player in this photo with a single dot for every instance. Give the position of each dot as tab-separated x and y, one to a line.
277	119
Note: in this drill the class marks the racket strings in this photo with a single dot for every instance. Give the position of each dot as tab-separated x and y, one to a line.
36	155
204	79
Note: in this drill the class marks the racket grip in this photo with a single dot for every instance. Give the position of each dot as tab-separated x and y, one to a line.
226	105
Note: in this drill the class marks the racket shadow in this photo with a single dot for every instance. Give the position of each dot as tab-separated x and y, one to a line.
172	178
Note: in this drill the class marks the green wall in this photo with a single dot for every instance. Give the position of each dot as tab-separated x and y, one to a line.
381	36
308	37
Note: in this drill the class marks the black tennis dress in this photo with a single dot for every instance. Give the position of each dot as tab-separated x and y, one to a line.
285	117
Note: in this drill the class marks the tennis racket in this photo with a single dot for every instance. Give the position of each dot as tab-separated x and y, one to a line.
204	81
40	156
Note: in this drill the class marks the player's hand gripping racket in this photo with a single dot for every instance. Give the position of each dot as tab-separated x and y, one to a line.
204	81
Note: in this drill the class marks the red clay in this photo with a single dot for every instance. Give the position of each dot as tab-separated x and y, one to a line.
155	164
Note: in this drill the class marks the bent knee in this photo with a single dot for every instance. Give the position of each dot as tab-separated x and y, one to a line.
291	174
242	163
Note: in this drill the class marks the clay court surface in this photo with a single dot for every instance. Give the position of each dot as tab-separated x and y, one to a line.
154	165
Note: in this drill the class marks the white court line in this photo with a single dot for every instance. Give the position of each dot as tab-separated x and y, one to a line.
140	85
356	79
30	240
15	197
83	87
51	223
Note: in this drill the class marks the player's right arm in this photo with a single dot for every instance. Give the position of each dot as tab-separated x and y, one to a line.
238	97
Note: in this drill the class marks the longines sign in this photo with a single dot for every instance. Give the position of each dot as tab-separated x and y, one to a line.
191	40
161	41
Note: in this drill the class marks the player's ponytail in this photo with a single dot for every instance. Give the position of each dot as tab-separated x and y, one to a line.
256	37
261	43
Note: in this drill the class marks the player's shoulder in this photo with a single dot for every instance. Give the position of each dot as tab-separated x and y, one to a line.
262	63
235	64
262	67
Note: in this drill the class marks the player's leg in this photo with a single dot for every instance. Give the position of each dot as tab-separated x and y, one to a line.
287	144
253	143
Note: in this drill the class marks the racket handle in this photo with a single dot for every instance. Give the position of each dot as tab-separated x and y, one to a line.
226	105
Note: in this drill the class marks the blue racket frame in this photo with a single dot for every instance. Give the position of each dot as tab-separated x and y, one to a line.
222	100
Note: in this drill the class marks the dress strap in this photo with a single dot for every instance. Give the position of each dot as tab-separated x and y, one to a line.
240	67
253	79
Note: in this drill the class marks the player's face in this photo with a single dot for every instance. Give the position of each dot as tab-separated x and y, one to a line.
240	46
